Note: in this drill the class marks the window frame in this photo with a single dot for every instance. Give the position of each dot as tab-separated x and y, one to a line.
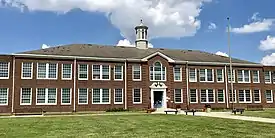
78	72
4	78
26	78
243	76
47	96
233	76
62	71
207	96
235	97
180	80
271	91
223	93
140	74
217	76
115	96
197	97
195	80
270	78
133	97
101	72
244	92
101	96
258	72
70	96
47	71
205	73
260	97
161	74
87	94
181	96
121	73
7	103
21	97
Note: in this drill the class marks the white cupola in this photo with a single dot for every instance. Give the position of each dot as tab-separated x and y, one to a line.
141	36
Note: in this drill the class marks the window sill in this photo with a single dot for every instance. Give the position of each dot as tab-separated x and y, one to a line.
82	103
45	104
258	102
177	80
26	78
3	104
4	78
244	102
65	103
269	102
137	102
46	78
193	102
207	81
25	104
221	102
118	103
66	79
101	103
82	79
136	80
118	79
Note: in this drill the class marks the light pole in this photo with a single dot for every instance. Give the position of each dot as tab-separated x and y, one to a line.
230	63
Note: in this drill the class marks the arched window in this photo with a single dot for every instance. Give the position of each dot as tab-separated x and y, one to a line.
157	72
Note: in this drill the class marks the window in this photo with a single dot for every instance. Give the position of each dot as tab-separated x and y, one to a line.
207	96
157	72
193	96
206	75
27	70
118	95
101	72
245	96
257	96
177	73
66	71
268	96
46	96
4	70
4	96
136	72
220	96
178	96
243	76
137	96
219	75
101	96
83	71
82	96
273	76
234	96
26	96
255	76
118	72
229	75
66	96
192	75
46	71
267	76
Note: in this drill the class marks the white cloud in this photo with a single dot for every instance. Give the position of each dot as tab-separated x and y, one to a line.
165	18
212	26
257	25
44	46
268	43
126	42
268	60
221	54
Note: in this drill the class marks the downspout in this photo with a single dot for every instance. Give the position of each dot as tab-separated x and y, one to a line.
125	84
74	85
187	85
226	87
13	83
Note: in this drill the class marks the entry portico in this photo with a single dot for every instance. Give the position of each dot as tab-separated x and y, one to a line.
158	95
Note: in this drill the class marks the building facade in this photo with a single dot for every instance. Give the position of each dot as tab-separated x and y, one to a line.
83	77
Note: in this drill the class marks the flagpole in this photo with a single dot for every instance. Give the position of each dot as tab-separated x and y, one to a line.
230	63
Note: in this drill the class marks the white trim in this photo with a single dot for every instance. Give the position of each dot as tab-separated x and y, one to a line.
75	67
47	71
5	78
125	85
196	77
86	98
187	84
162	87
217	76
121	73
62	96
21	98
160	54
62	73
244	92
101	72
206	77
218	96
207	96
258	76
217	63
13	84
115	96
7	97
46	97
22	66
259	96
161	75
197	97
243	76
180	80
180	95
87	65
271	97
140	77
140	90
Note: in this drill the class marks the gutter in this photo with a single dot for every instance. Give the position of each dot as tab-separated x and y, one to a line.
218	63
187	85
74	85
13	83
125	84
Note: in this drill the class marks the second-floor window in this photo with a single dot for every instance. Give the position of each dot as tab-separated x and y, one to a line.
46	71
267	76
101	72
177	73
192	75
157	72
27	70
83	71
118	72
4	70
229	75
243	76
67	71
136	72
255	76
219	75
206	75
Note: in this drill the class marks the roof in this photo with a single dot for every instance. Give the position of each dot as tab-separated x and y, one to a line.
100	51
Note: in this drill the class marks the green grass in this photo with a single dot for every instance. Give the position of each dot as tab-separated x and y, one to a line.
267	113
132	126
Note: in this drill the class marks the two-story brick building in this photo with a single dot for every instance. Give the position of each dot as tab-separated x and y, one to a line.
87	77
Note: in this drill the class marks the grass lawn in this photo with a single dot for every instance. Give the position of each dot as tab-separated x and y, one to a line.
132	126
268	113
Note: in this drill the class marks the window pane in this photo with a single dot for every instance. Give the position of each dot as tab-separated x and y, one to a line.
83	71
136	72
96	95
118	72
41	95
267	76
52	70
178	96
67	71
66	96
52	95
203	95
177	73
268	96
209	75
105	72
255	76
163	74
230	96
83	95
42	70
137	96
157	72
240	76
3	96
105	96
192	75
96	71
26	70
247	96
193	95
151	73
26	95
220	95
118	96
4	69
219	75
229	75
241	95
210	95
257	96
202	75
246	76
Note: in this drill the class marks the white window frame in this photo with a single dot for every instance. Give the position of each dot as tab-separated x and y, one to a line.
47	72
87	99
121	73
115	96
244	91
101	96
70	96
21	98
190	75
206	77
3	78
222	76
87	65
175	75
207	96
153	65
46	97
181	98
270	78
140	77
243	77
22	66
233	75
62	71
134	97
7	103
197	97
258	72
230	98
271	97
222	94
101	72
259	96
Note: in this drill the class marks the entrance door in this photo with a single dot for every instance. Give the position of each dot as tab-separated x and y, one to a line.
158	99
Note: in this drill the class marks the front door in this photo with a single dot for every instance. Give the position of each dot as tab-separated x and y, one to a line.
158	99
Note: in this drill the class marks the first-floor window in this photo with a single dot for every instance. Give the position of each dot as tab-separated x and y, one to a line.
46	96
82	96
118	96
3	96
193	96
66	96
257	96
101	96
178	95
230	96
244	96
207	96
26	96
137	96
269	96
220	96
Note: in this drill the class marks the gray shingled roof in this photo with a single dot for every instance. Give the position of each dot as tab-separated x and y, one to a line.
92	50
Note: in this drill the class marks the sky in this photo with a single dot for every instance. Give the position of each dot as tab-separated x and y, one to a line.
176	24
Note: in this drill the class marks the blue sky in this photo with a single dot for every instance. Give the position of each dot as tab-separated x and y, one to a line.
178	24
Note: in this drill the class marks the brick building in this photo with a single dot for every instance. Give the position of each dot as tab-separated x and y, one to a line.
87	77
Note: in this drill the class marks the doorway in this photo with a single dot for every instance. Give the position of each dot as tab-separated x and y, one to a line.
158	99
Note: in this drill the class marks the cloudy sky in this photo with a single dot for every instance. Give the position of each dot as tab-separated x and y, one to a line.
176	24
